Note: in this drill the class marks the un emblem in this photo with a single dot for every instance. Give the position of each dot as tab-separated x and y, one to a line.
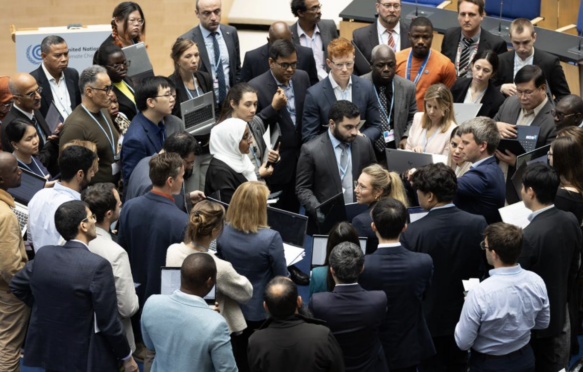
33	54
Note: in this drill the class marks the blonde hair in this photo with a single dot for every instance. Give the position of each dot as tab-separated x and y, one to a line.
88	145
389	183
248	209
442	95
204	217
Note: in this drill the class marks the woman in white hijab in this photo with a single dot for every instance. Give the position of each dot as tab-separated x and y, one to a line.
230	166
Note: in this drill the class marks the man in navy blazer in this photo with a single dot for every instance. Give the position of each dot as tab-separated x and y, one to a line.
341	85
74	324
452	238
481	190
405	276
353	315
146	135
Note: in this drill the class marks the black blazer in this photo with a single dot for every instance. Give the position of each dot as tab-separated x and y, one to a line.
366	38
126	106
362	225
551	248
205	82
257	62
488	41
291	135
452	238
550	65
328	32
491	101
72	81
231	40
221	177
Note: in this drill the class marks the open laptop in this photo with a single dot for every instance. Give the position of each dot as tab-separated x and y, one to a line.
401	161
139	65
524	142
522	162
354	209
330	212
292	228
465	111
171	282
198	114
30	184
415	214
319	244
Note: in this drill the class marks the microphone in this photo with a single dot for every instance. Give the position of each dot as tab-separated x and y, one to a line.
416	8
500	31
500	19
577	49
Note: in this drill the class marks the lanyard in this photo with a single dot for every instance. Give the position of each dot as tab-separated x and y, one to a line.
408	70
471	56
477	100
426	141
195	88
392	103
35	163
133	92
111	141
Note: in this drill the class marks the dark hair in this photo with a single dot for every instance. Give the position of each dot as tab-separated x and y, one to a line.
105	51
100	199
437	178
68	217
164	166
182	143
234	94
389	217
421	22
488	55
16	129
45	45
479	3
347	260
506	240
73	159
574	102
281	48
567	156
195	271
283	301
298	5
340	233
148	88
530	73
543	180
454	132
123	11
343	109
180	46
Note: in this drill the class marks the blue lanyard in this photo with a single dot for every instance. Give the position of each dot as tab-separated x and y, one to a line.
426	141
111	141
195	88
477	100
408	71
35	163
392	103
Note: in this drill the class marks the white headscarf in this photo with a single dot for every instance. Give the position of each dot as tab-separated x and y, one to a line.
224	145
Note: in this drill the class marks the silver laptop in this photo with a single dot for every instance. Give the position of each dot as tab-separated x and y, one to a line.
139	65
171	282
466	111
198	114
319	243
30	184
401	161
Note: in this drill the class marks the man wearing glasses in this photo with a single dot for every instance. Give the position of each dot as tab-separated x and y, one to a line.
567	113
90	121
387	30
341	84
312	31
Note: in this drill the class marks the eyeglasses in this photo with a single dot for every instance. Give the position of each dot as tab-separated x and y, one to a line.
118	66
32	94
137	21
560	115
107	89
340	66
388	6
7	104
483	245
285	66
168	95
360	186
86	219
526	93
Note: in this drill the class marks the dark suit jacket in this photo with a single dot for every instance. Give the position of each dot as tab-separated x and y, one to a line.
320	99
231	40
318	178
291	135
72	80
125	104
550	65
405	277
328	32
452	238
257	63
491	101
488	41
362	225
551	249
205	82
69	289
482	191
221	177
355	317
366	38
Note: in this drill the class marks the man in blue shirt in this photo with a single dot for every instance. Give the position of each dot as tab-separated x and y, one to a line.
500	312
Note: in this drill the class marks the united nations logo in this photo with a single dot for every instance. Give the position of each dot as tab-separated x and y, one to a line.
33	54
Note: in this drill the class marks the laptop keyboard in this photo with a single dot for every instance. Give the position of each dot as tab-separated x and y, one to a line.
22	218
528	145
198	116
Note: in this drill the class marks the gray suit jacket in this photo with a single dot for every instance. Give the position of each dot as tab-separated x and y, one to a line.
328	31
405	106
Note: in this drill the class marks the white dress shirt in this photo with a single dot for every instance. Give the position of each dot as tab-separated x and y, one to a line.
61	98
384	35
520	63
317	45
340	94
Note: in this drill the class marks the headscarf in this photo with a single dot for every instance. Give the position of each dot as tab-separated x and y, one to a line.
224	145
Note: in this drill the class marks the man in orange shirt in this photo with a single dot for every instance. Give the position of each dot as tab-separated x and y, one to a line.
421	64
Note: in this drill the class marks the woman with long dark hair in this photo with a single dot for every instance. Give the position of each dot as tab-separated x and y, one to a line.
128	25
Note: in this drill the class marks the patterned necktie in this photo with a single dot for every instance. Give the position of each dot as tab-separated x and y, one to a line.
391	39
343	156
41	134
465	57
219	69
380	142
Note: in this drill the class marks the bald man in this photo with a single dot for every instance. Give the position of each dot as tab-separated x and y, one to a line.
27	103
256	61
568	112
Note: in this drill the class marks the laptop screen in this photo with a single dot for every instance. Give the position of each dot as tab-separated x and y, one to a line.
171	282
30	184
416	213
319	244
291	226
330	213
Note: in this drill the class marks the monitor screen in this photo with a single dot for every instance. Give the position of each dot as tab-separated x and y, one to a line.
416	213
330	212
291	226
30	184
319	248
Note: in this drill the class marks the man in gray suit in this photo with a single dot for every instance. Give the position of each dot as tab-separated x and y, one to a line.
312	31
396	97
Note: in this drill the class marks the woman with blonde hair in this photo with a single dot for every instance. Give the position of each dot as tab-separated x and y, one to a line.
375	183
431	129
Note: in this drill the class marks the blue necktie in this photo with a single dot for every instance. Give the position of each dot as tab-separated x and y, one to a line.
219	69
39	129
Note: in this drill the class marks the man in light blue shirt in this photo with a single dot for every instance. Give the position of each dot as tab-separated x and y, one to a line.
498	314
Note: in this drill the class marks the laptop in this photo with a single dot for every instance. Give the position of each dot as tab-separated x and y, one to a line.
171	282
139	65
401	161
330	212
319	244
30	184
292	228
466	111
524	142
216	197
198	114
415	214
522	162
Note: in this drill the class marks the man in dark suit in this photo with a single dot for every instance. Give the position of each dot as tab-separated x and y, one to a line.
405	277
74	324
313	32
387	30
284	81
27	103
523	37
331	163
218	46
353	315
257	60
461	44
59	82
481	189
452	238
341	85
552	245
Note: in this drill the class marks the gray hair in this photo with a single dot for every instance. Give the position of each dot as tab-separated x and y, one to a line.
45	45
347	261
89	76
380	47
484	129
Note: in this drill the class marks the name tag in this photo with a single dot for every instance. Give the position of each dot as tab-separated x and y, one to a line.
115	168
389	135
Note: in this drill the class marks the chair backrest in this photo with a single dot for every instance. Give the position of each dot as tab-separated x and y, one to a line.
432	3
512	9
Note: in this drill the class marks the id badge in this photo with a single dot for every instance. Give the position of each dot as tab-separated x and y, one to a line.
216	84
115	168
389	135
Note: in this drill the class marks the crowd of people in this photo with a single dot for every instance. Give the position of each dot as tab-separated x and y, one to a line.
126	186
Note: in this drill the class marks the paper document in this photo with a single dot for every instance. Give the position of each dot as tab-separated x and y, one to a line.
293	254
437	158
470	284
515	214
